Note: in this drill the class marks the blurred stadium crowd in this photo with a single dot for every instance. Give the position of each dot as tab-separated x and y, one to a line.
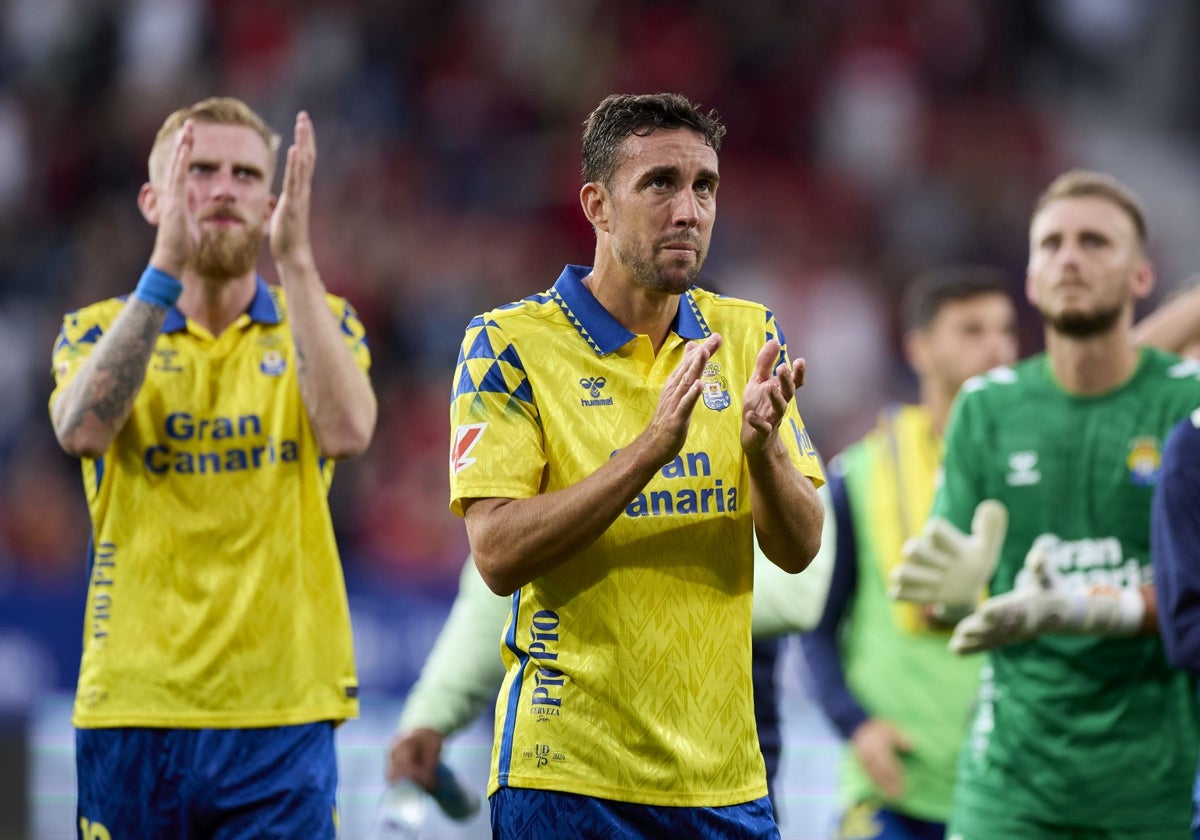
868	139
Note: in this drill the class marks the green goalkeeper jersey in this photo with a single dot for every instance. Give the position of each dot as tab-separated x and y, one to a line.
1075	730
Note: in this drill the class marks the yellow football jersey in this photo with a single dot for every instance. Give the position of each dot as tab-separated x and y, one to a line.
628	667
216	596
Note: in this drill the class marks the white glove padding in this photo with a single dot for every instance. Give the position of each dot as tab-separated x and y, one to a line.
950	569
1043	603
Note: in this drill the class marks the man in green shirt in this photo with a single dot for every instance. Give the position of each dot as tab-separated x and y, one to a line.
1081	730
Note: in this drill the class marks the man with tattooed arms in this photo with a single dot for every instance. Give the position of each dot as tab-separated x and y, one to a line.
208	409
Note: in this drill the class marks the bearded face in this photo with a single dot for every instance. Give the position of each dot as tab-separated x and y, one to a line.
662	208
228	200
1086	266
659	270
1082	323
228	251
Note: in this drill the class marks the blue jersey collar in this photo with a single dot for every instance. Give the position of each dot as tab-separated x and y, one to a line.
262	309
600	329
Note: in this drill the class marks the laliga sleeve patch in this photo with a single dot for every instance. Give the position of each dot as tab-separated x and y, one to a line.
465	438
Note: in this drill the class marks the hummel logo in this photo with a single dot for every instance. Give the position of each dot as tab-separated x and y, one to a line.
593	385
166	360
1024	469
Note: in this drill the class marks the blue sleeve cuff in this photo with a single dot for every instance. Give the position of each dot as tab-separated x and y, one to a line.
158	288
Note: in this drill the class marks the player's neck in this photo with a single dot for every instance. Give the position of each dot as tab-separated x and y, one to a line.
215	304
937	401
636	309
1093	365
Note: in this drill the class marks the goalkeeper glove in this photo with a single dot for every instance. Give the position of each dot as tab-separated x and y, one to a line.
1042	603
950	569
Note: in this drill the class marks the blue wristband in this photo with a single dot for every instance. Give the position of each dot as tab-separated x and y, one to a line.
158	288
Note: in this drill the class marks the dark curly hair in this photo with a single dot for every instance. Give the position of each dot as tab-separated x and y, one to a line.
621	115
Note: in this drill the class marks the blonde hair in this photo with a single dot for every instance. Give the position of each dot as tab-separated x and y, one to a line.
217	110
1084	183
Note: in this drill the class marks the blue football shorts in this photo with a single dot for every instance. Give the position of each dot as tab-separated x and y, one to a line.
525	814
216	784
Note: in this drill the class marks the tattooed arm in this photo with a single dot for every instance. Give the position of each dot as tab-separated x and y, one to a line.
337	394
97	402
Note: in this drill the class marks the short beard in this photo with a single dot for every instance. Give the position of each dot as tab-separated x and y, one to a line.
224	255
1084	324
651	277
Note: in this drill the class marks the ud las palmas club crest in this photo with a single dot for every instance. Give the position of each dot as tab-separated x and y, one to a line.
1143	461
714	388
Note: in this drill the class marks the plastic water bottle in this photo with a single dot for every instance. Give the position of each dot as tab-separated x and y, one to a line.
402	808
401	811
457	802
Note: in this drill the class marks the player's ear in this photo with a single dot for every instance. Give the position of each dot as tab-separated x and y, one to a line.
916	351
1143	280
266	222
147	202
1030	288
594	198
